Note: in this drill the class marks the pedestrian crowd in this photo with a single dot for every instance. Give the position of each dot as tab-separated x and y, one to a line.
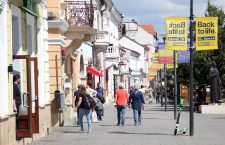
89	102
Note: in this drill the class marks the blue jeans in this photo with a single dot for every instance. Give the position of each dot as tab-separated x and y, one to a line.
137	116
83	112
121	114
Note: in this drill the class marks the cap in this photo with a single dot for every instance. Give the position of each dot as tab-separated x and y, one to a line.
121	85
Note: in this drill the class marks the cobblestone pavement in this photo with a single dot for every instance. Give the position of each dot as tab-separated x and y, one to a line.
157	129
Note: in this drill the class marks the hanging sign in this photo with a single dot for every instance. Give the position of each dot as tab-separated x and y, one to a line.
176	33
206	33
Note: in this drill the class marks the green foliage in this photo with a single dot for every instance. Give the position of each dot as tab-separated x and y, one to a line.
203	59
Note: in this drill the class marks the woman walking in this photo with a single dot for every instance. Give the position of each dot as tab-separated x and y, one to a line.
85	106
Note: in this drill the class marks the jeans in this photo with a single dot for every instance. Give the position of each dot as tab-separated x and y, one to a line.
99	114
83	112
158	99
137	116
121	114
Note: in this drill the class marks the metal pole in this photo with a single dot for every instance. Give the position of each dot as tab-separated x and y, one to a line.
161	88
165	83
191	70
175	84
93	63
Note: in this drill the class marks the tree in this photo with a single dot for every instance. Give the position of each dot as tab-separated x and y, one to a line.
203	59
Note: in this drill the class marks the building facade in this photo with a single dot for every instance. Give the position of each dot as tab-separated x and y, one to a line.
107	21
24	38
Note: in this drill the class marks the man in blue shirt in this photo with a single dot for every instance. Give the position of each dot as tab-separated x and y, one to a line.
100	93
100	96
136	100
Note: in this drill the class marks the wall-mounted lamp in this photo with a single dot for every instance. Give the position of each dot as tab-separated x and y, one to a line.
10	68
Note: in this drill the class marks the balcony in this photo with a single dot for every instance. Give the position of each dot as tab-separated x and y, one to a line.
112	52
80	13
101	41
57	17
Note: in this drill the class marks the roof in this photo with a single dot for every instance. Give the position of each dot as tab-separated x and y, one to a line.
149	28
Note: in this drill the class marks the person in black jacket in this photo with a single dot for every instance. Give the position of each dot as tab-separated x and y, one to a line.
16	94
136	100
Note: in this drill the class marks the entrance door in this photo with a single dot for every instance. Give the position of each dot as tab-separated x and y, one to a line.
34	94
21	66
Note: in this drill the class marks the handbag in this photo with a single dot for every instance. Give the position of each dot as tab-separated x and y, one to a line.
94	118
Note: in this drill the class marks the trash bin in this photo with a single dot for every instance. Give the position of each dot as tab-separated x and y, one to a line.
59	99
182	101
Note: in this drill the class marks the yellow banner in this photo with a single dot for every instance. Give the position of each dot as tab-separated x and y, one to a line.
176	33
206	33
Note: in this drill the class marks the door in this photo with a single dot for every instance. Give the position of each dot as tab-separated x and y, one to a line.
21	66
34	94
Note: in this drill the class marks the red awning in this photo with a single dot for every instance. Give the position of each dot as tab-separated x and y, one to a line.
94	71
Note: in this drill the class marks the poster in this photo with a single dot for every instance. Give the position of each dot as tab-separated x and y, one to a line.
176	33
206	33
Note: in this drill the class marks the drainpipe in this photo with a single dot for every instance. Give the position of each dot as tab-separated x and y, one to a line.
93	63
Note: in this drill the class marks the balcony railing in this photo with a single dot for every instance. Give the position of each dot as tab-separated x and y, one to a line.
80	13
111	52
30	4
101	36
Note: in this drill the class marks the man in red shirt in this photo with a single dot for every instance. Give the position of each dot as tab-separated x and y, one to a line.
121	98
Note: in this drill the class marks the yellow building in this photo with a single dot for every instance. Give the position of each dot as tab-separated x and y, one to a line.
70	25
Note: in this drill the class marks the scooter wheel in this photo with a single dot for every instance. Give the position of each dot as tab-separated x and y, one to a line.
175	132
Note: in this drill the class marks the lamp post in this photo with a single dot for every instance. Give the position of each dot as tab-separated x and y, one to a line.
165	85
175	85
191	70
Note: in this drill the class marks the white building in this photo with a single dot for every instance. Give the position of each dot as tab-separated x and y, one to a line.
147	37
4	100
135	55
107	21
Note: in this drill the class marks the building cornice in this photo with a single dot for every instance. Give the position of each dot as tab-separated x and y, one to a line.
56	41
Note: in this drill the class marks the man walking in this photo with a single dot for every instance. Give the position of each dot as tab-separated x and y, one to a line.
121	97
136	99
100	93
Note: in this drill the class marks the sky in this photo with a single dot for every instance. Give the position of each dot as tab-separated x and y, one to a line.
155	11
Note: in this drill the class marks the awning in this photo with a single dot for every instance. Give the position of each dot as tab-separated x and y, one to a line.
94	71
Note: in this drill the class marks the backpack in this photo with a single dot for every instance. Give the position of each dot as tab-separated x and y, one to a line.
88	102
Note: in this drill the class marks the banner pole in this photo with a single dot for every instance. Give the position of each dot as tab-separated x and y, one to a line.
191	70
175	84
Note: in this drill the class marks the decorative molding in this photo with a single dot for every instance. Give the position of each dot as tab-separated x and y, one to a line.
56	41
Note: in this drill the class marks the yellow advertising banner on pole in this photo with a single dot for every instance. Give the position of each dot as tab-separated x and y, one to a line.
206	33
176	33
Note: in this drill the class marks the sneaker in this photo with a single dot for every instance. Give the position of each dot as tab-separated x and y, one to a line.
89	131
81	131
135	124
139	123
122	125
118	124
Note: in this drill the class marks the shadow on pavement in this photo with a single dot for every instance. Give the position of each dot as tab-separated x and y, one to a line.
128	133
114	125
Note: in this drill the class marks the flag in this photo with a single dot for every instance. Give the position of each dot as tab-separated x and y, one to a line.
183	57
165	56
